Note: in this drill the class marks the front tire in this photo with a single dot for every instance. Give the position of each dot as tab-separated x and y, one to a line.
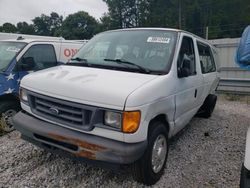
149	169
7	110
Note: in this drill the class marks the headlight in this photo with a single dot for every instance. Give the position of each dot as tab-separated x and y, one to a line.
23	95
113	119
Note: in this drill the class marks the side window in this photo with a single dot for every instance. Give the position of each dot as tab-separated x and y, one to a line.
187	54
206	58
42	56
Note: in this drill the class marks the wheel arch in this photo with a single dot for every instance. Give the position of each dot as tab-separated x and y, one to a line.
162	118
9	97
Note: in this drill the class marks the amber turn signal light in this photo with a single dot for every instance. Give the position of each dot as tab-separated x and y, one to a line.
131	121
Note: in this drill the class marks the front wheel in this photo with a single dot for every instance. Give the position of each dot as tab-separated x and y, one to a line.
149	169
7	111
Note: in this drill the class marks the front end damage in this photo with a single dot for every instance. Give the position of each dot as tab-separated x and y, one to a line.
76	143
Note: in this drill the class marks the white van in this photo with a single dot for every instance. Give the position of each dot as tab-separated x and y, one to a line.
20	56
6	36
122	97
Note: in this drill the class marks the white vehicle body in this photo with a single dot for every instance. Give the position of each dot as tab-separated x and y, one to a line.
247	153
7	36
64	49
167	97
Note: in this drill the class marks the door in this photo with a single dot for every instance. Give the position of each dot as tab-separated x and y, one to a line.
37	57
189	85
208	68
40	56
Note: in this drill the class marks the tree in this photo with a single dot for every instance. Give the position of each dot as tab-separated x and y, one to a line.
55	22
47	25
41	25
123	13
106	23
142	13
161	13
25	28
8	28
218	15
79	26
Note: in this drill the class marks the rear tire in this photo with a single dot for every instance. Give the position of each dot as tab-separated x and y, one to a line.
7	110
208	106
150	167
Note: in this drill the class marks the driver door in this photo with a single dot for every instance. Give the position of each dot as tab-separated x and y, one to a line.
37	57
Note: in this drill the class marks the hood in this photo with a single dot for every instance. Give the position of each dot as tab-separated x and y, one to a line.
92	86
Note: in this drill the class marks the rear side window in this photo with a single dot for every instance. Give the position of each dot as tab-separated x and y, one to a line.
206	58
43	54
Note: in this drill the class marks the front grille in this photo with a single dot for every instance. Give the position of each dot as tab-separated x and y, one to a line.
60	111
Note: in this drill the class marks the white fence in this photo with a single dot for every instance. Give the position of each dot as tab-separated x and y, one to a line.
233	78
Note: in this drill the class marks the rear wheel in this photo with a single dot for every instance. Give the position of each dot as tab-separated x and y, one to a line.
149	169
7	110
208	106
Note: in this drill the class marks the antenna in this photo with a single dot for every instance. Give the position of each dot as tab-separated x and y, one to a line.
20	38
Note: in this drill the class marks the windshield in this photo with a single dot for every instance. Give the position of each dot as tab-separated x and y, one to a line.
148	49
8	51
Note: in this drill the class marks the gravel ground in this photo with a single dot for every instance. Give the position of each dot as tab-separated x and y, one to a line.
208	153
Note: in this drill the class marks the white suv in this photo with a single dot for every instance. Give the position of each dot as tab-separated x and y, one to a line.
121	98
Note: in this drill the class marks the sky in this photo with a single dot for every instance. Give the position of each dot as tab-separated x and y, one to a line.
15	11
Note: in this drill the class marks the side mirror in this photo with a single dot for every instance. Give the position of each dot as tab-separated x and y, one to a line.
184	70
27	63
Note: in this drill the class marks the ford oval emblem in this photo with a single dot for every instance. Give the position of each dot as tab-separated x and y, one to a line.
54	110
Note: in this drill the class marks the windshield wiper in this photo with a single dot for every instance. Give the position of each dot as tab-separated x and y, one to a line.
80	61
123	61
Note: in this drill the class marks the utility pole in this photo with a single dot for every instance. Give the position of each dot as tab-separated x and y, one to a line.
180	14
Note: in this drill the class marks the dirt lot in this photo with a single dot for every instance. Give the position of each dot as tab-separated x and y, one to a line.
208	153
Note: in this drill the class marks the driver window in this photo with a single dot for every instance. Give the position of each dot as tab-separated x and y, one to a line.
43	55
187	53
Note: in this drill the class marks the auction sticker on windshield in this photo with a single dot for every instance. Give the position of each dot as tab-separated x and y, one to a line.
159	40
13	49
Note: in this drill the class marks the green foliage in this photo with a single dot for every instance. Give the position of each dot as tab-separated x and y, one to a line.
8	28
79	26
47	25
124	14
106	23
25	28
224	18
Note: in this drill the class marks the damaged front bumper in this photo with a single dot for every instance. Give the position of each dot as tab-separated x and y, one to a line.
79	144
